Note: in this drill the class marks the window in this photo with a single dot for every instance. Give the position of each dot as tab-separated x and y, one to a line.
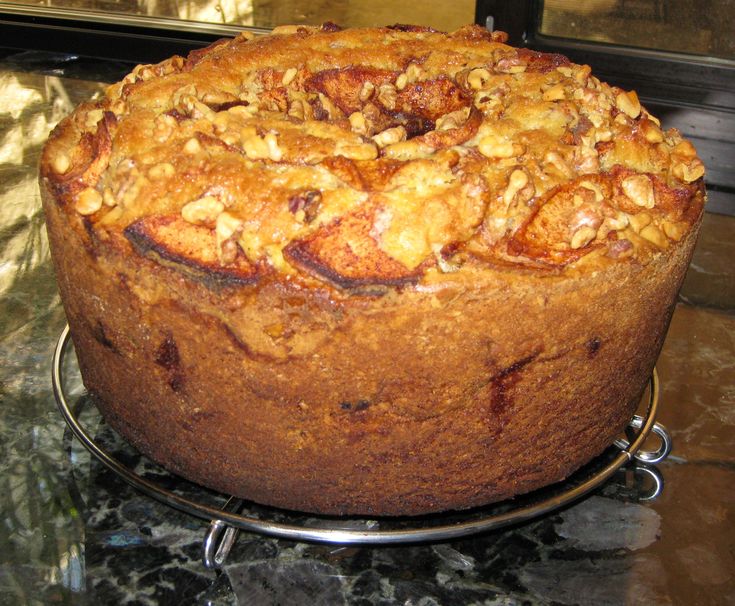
702	27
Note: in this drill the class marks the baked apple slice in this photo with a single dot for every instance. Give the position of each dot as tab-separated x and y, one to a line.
345	253
190	249
431	99
458	134
343	85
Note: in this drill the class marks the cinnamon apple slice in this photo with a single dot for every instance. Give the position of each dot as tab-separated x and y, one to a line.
190	249
345	253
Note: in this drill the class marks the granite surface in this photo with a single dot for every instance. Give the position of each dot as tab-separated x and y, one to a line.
73	533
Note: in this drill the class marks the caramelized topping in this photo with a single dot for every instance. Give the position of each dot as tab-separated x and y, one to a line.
361	157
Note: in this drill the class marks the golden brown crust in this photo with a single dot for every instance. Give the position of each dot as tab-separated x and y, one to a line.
381	281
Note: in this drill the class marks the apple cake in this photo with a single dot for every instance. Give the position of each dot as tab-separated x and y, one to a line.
383	271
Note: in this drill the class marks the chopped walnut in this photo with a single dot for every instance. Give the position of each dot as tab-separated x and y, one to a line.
274	151
640	190
259	148
202	211
675	229
358	123
108	198
690	172
555	93
621	249
414	72
495	147
221	122
288	76
88	201
451	120
306	205
556	160
366	91
390	136
227	225
93	118
651	131
164	127
387	96
628	103
478	78
60	163
517	181
639	221
582	237
654	235
192	146
593	187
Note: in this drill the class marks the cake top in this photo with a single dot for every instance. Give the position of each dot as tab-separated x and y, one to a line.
374	156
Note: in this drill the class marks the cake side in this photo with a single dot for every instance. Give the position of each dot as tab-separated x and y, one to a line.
449	398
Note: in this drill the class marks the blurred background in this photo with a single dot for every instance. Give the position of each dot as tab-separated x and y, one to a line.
689	26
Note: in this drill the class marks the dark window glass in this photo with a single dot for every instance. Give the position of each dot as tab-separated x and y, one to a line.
700	27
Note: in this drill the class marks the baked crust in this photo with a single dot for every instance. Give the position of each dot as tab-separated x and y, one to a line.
338	279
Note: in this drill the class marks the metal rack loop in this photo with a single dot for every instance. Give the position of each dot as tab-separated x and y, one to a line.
650	457
220	537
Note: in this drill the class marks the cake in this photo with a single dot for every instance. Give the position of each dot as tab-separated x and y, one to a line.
383	271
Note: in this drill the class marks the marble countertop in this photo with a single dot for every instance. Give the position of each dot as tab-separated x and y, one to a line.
74	533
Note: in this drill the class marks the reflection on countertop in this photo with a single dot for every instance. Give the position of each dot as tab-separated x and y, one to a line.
72	532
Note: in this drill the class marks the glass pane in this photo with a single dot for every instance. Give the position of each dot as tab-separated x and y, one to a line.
269	13
703	27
